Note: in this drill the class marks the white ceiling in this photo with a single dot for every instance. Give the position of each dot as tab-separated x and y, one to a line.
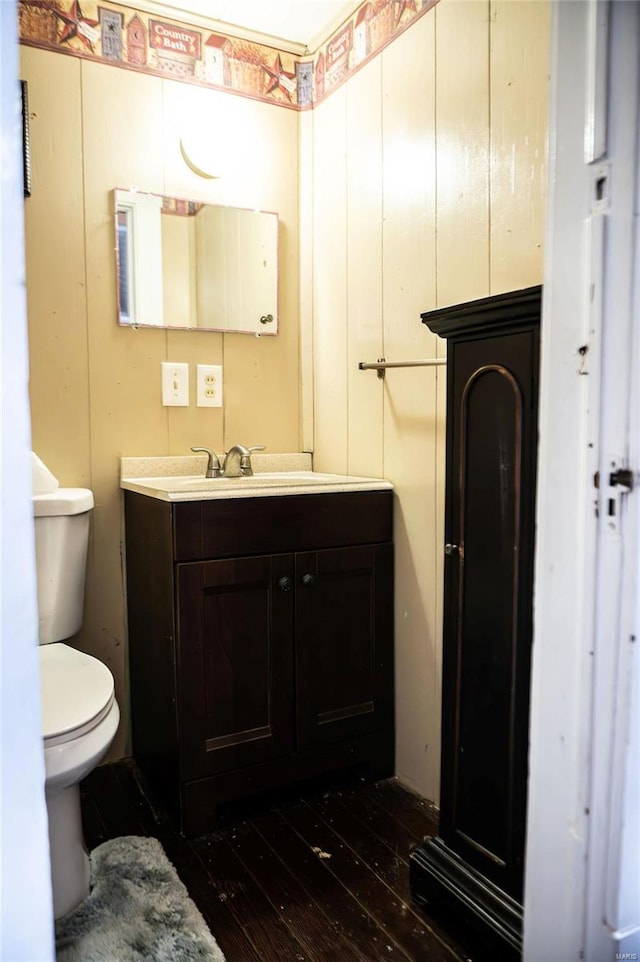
304	22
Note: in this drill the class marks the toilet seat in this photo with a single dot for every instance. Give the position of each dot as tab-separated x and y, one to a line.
77	693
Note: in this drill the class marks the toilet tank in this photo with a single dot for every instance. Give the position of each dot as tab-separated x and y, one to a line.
62	536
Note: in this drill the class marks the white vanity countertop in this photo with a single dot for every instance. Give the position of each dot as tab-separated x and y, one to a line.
183	478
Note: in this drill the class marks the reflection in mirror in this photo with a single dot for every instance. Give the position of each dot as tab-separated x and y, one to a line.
183	264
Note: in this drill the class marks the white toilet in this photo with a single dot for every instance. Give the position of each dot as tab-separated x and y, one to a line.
79	710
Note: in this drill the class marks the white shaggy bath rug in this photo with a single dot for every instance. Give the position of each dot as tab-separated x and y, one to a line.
138	911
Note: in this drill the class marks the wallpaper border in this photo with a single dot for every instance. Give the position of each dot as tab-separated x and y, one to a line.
119	35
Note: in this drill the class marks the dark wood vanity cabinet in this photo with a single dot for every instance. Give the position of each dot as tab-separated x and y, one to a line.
475	866
260	642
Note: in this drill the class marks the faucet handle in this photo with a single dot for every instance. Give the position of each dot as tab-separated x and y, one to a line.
245	461
213	464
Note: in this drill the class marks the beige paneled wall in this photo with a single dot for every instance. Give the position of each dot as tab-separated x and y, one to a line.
463	157
409	275
95	387
364	263
330	268
518	97
57	300
428	189
422	184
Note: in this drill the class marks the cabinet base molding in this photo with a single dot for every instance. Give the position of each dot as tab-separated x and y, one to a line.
440	879
373	755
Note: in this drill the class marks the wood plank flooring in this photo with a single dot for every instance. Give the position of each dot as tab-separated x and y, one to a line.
323	877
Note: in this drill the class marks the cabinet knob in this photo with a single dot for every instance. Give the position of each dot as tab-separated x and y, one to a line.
308	579
284	584
451	549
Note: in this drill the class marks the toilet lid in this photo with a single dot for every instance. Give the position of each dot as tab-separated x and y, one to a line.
62	501
77	692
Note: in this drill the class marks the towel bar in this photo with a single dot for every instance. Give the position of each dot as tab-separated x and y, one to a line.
381	364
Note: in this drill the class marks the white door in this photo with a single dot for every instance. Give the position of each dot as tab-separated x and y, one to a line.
26	919
582	884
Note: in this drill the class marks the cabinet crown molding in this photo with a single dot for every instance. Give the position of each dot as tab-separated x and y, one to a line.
498	312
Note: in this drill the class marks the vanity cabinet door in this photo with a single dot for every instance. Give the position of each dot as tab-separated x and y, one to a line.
344	648
235	662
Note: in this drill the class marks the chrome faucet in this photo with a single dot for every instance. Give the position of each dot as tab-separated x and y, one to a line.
237	462
213	464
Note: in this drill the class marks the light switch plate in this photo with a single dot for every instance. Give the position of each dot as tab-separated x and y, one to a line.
175	384
209	386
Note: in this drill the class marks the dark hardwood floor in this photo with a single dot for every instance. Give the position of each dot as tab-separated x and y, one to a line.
322	877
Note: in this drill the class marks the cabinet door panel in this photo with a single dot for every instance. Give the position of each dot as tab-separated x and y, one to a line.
236	662
488	603
344	653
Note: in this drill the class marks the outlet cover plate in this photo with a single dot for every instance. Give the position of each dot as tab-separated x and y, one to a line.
209	386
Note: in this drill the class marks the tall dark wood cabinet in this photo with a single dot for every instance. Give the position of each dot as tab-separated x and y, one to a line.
475	865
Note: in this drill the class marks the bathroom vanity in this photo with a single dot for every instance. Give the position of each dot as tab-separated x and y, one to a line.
260	633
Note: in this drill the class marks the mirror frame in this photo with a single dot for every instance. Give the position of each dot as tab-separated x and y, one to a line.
119	206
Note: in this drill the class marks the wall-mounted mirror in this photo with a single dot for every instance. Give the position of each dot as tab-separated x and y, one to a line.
183	264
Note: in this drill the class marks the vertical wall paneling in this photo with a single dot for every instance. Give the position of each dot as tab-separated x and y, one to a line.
364	259
519	93
382	197
125	411
440	157
252	150
54	237
182	106
306	174
330	271
95	385
462	214
261	375
409	281
462	150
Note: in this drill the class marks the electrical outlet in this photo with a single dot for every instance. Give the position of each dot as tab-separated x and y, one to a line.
209	386
175	384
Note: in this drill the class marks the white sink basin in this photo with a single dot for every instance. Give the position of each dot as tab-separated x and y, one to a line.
194	488
273	479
